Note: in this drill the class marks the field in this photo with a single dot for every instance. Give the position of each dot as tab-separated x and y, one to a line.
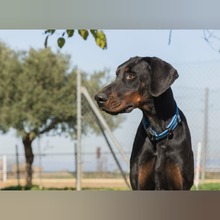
70	183
87	184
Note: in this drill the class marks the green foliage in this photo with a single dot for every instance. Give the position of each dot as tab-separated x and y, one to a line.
100	38
98	35
9	68
38	93
49	33
38	96
61	42
70	33
83	33
33	96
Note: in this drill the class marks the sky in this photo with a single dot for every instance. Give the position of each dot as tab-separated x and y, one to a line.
186	47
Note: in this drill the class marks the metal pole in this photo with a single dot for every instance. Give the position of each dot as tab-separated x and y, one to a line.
4	168
75	159
104	127
104	124
197	171
78	174
205	134
113	154
17	164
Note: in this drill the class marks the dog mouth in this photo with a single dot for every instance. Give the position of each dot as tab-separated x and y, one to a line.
126	109
129	108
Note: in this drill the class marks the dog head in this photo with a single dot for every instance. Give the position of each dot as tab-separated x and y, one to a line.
137	81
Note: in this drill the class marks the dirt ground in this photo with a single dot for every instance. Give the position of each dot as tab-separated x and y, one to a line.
91	183
70	183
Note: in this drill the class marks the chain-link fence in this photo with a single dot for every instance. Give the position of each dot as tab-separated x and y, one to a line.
197	93
199	99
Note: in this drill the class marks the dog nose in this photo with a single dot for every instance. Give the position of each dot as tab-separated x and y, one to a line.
101	98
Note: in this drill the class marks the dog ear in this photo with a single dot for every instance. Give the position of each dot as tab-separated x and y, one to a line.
162	75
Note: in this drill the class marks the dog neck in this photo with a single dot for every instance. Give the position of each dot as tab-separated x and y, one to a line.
162	109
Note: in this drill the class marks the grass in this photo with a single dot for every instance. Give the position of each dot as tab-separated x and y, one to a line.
208	186
203	187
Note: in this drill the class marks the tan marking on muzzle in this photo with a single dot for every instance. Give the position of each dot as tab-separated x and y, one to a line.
112	102
134	98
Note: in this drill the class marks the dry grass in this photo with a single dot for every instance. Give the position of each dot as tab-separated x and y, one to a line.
96	183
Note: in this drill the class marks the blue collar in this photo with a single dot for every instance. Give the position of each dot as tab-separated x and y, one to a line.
168	132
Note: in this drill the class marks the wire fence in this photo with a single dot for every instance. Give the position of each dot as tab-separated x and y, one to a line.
197	95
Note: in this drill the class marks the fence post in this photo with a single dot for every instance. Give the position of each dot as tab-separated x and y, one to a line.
197	171
17	164
103	125
78	173
75	158
4	178
205	134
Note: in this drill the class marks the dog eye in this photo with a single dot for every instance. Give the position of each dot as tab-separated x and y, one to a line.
130	75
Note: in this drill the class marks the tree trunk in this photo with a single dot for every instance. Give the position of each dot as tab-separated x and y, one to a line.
29	156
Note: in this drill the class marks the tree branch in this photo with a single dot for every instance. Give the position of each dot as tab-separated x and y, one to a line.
51	126
170	36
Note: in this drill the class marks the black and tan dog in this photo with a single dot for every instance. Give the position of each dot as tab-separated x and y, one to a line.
162	157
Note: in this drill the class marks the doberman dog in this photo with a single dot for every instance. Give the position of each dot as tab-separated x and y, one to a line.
162	156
